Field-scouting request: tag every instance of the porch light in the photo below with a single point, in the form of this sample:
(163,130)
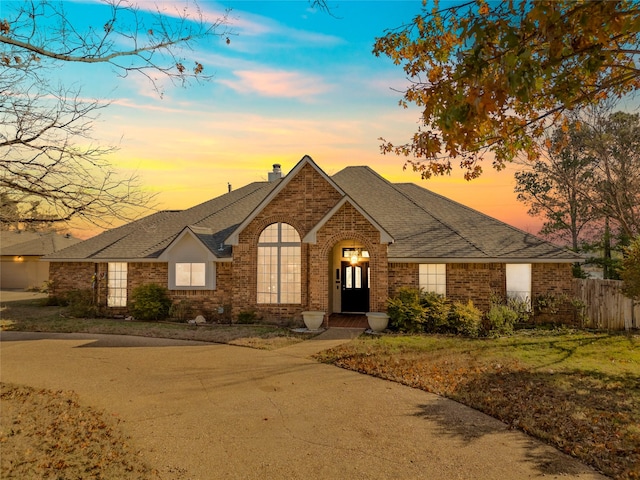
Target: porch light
(354,258)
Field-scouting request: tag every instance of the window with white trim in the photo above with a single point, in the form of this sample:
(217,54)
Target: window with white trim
(432,277)
(191,275)
(279,265)
(519,282)
(117,284)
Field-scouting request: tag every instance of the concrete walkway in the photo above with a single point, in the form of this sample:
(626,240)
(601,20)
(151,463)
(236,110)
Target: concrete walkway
(205,411)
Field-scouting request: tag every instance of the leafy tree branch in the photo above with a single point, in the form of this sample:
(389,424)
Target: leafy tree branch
(491,78)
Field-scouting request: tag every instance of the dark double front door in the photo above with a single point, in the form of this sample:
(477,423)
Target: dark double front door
(355,287)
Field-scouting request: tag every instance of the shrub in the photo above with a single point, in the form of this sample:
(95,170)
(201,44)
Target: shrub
(248,316)
(501,319)
(406,312)
(181,310)
(80,304)
(150,302)
(54,301)
(522,308)
(465,319)
(436,309)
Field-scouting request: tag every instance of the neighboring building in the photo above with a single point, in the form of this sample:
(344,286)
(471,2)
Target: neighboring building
(20,254)
(309,241)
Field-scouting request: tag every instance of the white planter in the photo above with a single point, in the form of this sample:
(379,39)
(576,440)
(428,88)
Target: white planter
(313,319)
(378,321)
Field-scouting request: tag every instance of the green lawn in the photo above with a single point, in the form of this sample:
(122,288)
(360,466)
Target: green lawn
(578,391)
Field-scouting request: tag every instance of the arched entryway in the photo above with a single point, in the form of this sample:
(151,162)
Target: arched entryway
(351,277)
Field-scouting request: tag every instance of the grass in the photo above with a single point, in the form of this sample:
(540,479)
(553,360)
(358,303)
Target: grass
(576,390)
(32,316)
(50,434)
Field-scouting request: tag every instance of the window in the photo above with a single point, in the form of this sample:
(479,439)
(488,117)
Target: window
(432,277)
(191,275)
(279,265)
(117,284)
(519,282)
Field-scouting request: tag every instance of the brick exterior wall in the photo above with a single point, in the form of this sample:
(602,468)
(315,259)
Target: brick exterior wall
(465,281)
(403,275)
(555,280)
(67,276)
(476,282)
(479,281)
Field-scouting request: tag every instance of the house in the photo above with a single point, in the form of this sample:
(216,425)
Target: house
(20,254)
(310,241)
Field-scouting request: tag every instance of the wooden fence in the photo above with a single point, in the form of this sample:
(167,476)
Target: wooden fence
(605,306)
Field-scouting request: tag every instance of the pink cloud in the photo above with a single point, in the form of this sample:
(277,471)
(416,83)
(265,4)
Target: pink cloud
(276,83)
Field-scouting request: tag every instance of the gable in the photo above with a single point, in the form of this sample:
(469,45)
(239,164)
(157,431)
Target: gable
(311,236)
(302,198)
(187,247)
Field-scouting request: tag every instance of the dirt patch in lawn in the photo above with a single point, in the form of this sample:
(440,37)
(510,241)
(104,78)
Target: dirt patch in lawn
(50,435)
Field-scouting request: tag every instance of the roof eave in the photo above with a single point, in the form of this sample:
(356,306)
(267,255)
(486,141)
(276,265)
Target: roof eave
(482,260)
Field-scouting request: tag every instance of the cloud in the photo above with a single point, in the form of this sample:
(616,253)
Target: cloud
(276,83)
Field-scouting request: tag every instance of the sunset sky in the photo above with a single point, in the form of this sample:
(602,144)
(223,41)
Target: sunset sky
(293,81)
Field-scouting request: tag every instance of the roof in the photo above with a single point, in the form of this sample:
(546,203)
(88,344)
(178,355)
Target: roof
(147,238)
(429,227)
(419,225)
(33,243)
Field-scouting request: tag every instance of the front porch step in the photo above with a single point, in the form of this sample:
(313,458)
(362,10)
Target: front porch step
(348,320)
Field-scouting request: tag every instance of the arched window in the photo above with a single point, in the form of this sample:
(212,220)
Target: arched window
(279,266)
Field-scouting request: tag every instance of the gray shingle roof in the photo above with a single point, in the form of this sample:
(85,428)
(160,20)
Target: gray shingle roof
(424,225)
(146,239)
(33,243)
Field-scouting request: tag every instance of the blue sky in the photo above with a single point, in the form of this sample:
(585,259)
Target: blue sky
(293,81)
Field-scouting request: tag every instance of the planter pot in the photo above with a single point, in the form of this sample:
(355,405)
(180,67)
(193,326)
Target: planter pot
(313,319)
(378,321)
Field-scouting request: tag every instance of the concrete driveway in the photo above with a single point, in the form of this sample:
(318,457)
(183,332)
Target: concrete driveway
(205,411)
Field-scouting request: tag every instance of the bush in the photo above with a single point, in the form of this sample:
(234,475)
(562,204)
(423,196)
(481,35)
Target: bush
(436,309)
(406,312)
(501,319)
(181,310)
(55,301)
(465,319)
(247,317)
(150,302)
(522,308)
(80,304)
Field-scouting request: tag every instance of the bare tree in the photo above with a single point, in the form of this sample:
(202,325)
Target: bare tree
(51,170)
(555,187)
(614,139)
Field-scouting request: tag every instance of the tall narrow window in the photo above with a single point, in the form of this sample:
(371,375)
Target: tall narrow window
(433,277)
(519,282)
(279,265)
(117,284)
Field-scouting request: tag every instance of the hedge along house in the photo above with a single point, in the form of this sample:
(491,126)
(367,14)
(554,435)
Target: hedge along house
(308,241)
